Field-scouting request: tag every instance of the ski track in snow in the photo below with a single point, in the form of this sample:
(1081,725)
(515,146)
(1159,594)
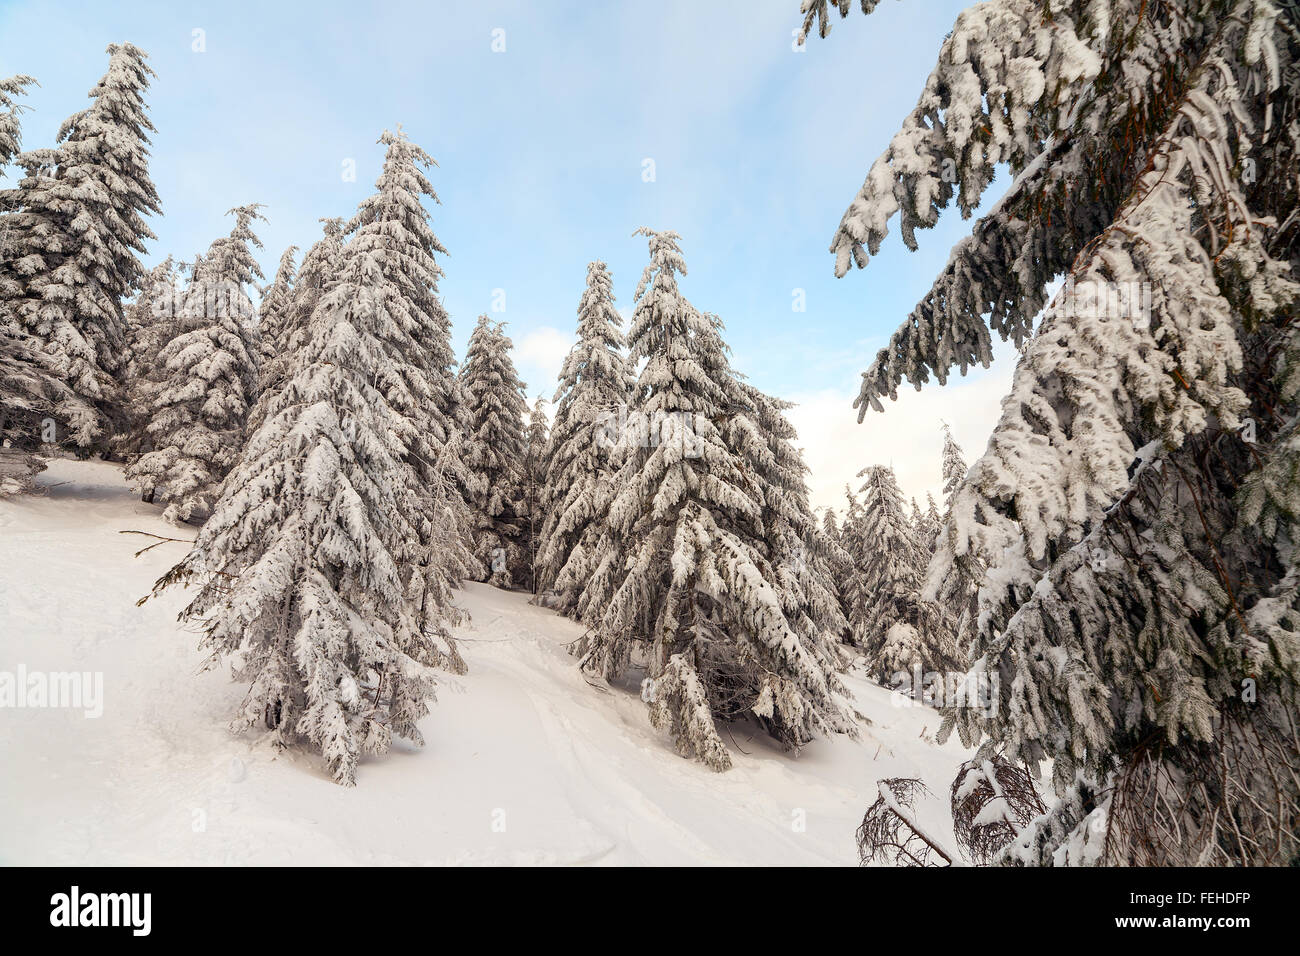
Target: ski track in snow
(525,762)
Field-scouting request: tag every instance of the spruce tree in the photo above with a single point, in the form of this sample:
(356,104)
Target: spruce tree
(74,229)
(595,388)
(10,110)
(830,527)
(392,224)
(208,381)
(895,627)
(494,455)
(687,584)
(287,320)
(804,563)
(151,322)
(838,564)
(277,298)
(853,541)
(537,448)
(1140,599)
(30,386)
(931,522)
(954,577)
(303,565)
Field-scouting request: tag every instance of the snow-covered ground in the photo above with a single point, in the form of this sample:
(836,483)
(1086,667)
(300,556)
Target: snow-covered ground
(526,762)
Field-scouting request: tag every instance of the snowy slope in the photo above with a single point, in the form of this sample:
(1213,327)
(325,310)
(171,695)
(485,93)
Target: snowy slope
(525,762)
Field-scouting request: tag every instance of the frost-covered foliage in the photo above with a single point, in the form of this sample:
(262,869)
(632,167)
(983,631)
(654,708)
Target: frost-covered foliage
(804,561)
(73,227)
(838,563)
(954,576)
(494,454)
(595,389)
(310,564)
(1135,507)
(537,453)
(392,226)
(273,310)
(10,131)
(208,380)
(895,627)
(30,389)
(931,522)
(283,322)
(30,386)
(688,584)
(151,322)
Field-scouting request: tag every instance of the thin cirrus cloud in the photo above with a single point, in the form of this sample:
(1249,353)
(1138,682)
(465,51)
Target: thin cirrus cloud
(539,356)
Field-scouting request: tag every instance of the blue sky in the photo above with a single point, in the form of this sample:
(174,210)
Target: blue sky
(542,149)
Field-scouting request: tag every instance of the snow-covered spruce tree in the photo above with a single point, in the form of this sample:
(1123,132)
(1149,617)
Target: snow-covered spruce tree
(686,584)
(10,141)
(838,565)
(830,525)
(302,564)
(595,388)
(494,454)
(537,452)
(393,225)
(30,391)
(73,231)
(273,309)
(1135,506)
(933,522)
(896,628)
(953,579)
(30,386)
(10,138)
(208,380)
(151,322)
(924,522)
(953,469)
(319,271)
(803,561)
(228,269)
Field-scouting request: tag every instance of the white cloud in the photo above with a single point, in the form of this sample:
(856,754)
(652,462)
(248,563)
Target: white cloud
(908,435)
(539,356)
